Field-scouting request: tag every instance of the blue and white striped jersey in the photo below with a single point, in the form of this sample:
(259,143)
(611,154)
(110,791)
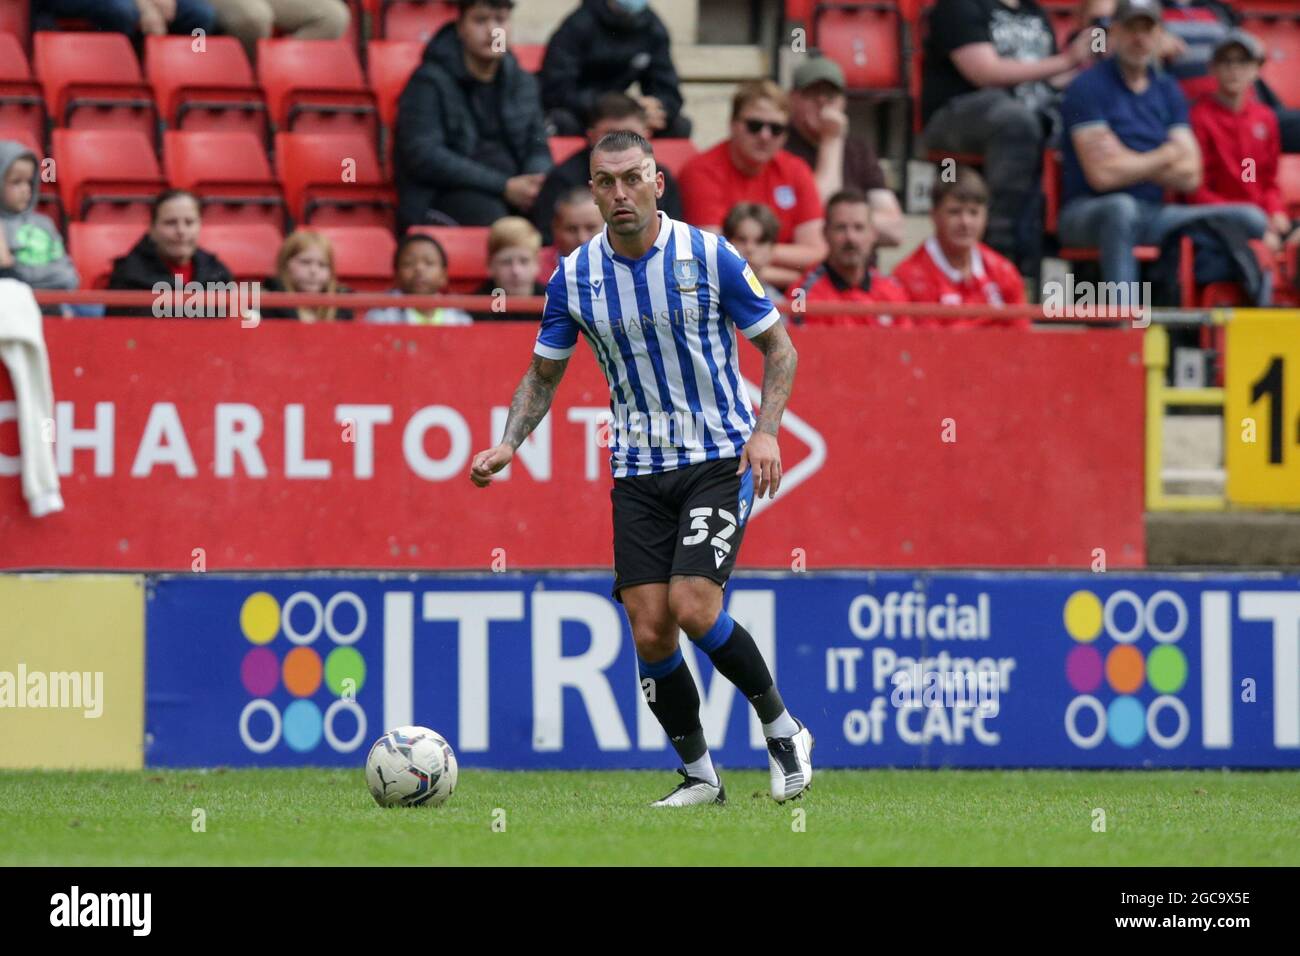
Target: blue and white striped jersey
(662,330)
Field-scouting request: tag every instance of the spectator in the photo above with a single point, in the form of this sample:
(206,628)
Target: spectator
(1127,141)
(819,135)
(612,112)
(576,220)
(135,18)
(751,166)
(846,276)
(305,263)
(990,84)
(953,267)
(1193,28)
(470,141)
(421,267)
(253,20)
(513,245)
(751,227)
(1236,132)
(31,249)
(169,252)
(604,47)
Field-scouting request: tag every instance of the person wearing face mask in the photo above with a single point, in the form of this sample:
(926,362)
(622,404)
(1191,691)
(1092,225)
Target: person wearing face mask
(168,251)
(605,46)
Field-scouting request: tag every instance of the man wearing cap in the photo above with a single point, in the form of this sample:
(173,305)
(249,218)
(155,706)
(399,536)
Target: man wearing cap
(1127,142)
(1237,134)
(819,135)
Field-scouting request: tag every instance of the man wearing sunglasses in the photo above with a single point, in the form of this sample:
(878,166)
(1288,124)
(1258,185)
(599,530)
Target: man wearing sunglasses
(753,166)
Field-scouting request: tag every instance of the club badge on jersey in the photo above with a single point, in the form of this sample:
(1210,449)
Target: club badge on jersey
(687,273)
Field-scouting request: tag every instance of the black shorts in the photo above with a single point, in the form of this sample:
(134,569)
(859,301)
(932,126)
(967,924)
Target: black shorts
(687,521)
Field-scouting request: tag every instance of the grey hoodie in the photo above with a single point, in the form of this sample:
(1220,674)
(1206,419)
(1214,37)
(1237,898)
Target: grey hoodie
(40,259)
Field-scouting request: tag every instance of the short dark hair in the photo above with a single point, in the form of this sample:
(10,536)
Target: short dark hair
(744,211)
(574,196)
(615,106)
(167,195)
(844,197)
(966,186)
(410,239)
(463,6)
(622,139)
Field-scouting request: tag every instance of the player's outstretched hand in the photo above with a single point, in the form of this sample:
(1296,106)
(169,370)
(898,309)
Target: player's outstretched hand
(762,454)
(488,463)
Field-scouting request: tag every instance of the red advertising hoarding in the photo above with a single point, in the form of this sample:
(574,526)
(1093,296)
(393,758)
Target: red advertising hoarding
(348,446)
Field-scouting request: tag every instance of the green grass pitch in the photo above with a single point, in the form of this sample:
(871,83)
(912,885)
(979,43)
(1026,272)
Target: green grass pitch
(875,817)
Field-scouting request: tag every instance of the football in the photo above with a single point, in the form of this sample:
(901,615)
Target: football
(411,767)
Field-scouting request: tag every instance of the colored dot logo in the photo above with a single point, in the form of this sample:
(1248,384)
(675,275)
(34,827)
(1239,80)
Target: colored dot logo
(302,673)
(1107,659)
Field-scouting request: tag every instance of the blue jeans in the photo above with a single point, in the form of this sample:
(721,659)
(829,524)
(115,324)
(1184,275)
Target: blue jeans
(121,16)
(1116,222)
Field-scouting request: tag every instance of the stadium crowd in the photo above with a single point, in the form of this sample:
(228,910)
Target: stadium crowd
(1164,131)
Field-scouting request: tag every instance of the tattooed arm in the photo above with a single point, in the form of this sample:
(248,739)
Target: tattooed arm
(761,451)
(531,403)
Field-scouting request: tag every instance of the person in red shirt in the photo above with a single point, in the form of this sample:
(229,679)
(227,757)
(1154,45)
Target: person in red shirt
(954,267)
(752,166)
(845,276)
(1239,135)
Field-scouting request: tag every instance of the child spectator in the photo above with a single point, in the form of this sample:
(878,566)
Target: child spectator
(421,267)
(1237,134)
(513,245)
(751,227)
(305,263)
(953,267)
(30,247)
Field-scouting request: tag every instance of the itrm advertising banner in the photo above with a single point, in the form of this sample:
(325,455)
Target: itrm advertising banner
(894,669)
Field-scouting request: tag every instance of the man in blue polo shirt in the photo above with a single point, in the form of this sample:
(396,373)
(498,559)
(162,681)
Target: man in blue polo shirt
(1127,143)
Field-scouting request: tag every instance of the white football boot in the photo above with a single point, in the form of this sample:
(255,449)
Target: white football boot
(693,790)
(790,761)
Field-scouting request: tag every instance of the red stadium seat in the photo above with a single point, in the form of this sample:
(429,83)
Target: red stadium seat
(106,175)
(333,179)
(363,256)
(210,90)
(229,173)
(562,147)
(673,154)
(415,20)
(315,86)
(391,63)
(530,56)
(248,251)
(15,20)
(467,258)
(94,245)
(1281,39)
(1288,176)
(92,81)
(865,41)
(21,103)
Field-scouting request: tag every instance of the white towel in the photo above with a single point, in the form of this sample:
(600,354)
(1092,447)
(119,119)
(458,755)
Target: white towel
(22,349)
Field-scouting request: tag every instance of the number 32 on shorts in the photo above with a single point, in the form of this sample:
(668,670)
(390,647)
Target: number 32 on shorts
(700,525)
